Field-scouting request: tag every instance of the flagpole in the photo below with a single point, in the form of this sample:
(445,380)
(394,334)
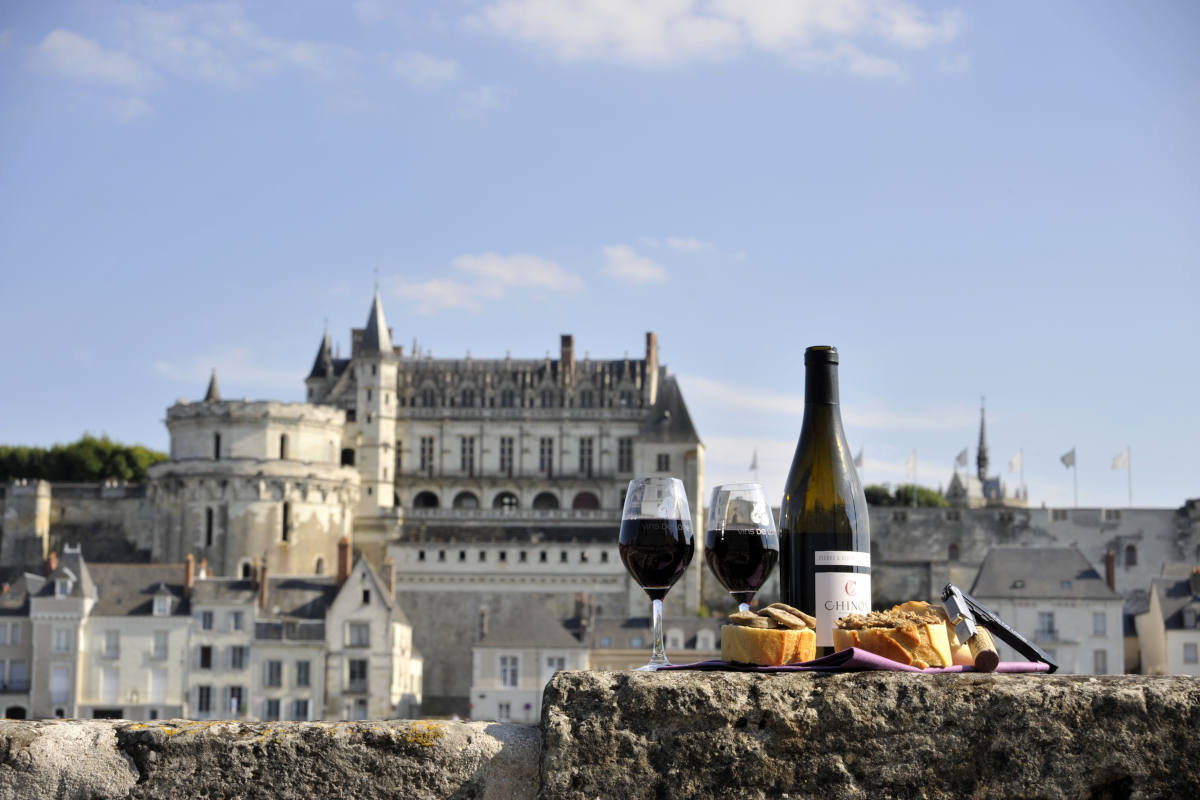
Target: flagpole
(914,486)
(1075,474)
(1129,457)
(1021,455)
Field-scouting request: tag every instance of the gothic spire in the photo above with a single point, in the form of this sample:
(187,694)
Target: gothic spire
(323,364)
(377,338)
(213,395)
(981,460)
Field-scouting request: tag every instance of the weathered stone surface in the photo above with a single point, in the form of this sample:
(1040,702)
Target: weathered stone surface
(869,735)
(65,759)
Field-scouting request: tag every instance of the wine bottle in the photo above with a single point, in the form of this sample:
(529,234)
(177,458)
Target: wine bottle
(824,534)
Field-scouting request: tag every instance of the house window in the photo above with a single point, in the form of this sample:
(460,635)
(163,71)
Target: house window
(1189,652)
(237,700)
(357,675)
(300,709)
(1130,556)
(160,645)
(1112,514)
(206,656)
(603,556)
(604,641)
(112,644)
(546,455)
(509,671)
(1099,662)
(358,634)
(503,711)
(208,527)
(303,674)
(366,595)
(237,657)
(216,447)
(625,399)
(506,454)
(482,555)
(586,446)
(62,587)
(507,398)
(283,446)
(664,462)
(1058,514)
(554,664)
(547,398)
(467,451)
(543,557)
(62,640)
(206,619)
(427,455)
(235,620)
(587,399)
(521,556)
(348,457)
(271,709)
(204,699)
(1099,623)
(441,555)
(953,554)
(15,638)
(636,642)
(287,513)
(162,606)
(274,673)
(428,398)
(468,398)
(1045,627)
(625,454)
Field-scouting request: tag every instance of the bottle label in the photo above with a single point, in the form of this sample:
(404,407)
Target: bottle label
(841,558)
(838,594)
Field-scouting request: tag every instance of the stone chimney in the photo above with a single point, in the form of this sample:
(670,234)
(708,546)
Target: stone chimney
(51,562)
(254,569)
(651,384)
(203,573)
(1110,569)
(189,574)
(343,567)
(482,621)
(262,587)
(388,575)
(567,362)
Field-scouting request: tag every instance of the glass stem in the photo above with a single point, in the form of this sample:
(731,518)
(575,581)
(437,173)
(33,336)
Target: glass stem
(743,606)
(658,656)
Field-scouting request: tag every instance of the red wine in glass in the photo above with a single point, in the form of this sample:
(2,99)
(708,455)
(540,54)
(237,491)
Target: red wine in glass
(742,559)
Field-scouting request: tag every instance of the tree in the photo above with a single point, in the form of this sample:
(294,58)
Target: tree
(89,459)
(878,495)
(926,498)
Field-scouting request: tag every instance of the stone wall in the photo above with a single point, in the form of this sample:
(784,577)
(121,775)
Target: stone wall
(678,735)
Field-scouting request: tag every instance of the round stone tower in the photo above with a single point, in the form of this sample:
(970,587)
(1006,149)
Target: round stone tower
(253,480)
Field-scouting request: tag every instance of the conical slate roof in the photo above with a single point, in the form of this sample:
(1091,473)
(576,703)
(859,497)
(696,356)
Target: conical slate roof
(323,364)
(376,337)
(213,395)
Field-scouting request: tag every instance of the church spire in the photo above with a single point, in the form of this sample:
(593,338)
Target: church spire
(377,338)
(981,460)
(213,395)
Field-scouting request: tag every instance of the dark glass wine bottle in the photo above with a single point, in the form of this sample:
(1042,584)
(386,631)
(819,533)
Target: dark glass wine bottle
(824,534)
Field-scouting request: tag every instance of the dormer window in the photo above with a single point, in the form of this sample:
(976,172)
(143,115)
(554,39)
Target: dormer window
(62,587)
(162,606)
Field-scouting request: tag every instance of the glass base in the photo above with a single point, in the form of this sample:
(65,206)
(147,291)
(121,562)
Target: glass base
(653,666)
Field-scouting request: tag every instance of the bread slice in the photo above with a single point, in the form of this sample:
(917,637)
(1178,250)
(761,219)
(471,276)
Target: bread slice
(960,654)
(918,639)
(767,647)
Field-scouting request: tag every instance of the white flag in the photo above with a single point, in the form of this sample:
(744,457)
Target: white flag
(961,460)
(1016,462)
(754,459)
(858,459)
(1121,461)
(1068,458)
(911,464)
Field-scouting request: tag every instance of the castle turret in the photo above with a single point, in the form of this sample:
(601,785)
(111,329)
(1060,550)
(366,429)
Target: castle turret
(322,372)
(213,395)
(375,365)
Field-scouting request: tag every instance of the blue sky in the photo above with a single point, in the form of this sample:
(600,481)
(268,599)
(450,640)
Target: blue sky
(973,199)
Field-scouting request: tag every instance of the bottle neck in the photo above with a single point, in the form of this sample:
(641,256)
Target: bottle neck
(821,384)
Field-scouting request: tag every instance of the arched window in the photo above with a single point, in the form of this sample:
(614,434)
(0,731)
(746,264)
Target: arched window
(216,447)
(545,502)
(286,522)
(953,552)
(466,500)
(506,501)
(319,566)
(245,569)
(1130,556)
(208,527)
(14,712)
(426,500)
(585,501)
(348,457)
(705,640)
(283,445)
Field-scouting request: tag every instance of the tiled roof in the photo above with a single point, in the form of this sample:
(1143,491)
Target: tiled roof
(1041,572)
(129,589)
(668,419)
(532,626)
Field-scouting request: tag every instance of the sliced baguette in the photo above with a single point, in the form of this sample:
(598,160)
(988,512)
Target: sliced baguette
(904,637)
(767,647)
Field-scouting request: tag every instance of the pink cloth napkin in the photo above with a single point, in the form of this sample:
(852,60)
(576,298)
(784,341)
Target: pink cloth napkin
(856,660)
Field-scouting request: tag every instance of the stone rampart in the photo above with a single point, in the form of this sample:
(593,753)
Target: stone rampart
(678,735)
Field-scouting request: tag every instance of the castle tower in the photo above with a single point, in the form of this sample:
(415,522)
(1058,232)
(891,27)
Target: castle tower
(322,370)
(981,460)
(375,369)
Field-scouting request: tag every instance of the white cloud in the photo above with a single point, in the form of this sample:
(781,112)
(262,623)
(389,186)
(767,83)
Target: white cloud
(490,277)
(480,100)
(236,369)
(77,58)
(653,32)
(423,70)
(624,264)
(682,243)
(372,11)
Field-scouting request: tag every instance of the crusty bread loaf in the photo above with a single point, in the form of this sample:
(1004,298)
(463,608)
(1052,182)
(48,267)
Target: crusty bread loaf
(913,637)
(767,647)
(959,652)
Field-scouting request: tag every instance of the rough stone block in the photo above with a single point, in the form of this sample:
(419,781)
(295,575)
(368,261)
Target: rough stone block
(869,735)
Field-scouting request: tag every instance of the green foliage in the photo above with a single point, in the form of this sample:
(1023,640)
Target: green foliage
(87,460)
(903,496)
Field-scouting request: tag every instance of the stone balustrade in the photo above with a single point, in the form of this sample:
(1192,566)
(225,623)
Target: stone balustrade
(677,735)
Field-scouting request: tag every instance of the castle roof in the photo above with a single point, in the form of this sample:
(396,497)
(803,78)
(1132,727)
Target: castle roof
(668,419)
(376,337)
(129,589)
(323,364)
(1040,572)
(213,395)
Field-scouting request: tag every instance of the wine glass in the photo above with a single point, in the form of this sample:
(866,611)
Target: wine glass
(656,546)
(741,543)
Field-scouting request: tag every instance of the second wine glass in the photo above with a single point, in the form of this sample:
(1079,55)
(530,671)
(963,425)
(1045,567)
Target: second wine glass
(741,543)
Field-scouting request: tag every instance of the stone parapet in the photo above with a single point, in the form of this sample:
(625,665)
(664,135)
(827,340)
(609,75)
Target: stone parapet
(678,735)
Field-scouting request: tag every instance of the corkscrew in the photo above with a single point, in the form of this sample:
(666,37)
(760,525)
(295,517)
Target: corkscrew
(972,622)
